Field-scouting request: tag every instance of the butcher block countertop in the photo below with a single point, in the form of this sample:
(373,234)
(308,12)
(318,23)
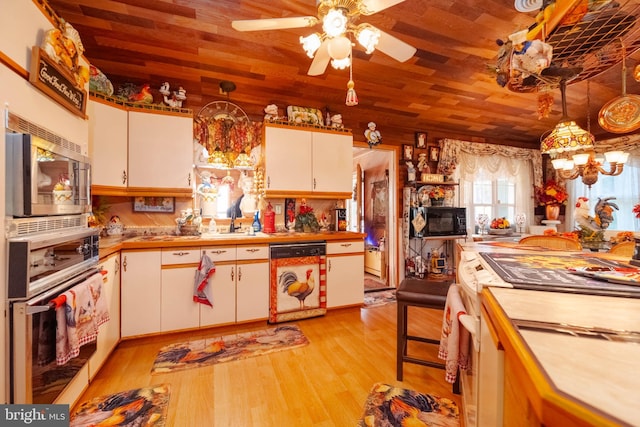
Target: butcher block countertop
(580,379)
(112,244)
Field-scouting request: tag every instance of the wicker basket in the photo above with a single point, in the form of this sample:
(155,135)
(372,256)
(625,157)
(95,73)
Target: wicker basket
(189,230)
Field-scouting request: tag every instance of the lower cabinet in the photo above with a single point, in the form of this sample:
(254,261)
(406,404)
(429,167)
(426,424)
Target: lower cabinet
(345,273)
(221,287)
(252,286)
(177,308)
(109,332)
(141,280)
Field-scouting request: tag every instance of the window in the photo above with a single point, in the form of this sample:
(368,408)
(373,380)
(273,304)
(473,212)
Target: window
(496,198)
(624,187)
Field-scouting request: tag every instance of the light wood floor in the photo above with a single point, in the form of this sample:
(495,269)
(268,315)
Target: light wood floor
(322,384)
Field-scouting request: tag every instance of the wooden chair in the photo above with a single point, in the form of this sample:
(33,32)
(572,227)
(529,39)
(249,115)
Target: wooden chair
(552,242)
(624,249)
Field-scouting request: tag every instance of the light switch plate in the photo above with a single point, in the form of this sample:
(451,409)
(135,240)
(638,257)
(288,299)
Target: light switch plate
(278,209)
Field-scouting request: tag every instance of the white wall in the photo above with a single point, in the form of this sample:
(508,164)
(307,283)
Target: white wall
(22,26)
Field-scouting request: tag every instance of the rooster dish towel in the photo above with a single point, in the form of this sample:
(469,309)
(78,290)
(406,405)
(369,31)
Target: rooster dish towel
(202,293)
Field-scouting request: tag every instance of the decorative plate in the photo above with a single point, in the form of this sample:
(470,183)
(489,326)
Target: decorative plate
(621,114)
(304,115)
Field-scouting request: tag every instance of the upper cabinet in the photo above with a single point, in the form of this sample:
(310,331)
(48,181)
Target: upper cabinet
(139,152)
(305,162)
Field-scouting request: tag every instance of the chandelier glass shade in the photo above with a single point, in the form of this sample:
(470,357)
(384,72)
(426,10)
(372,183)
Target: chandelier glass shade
(336,26)
(567,136)
(588,166)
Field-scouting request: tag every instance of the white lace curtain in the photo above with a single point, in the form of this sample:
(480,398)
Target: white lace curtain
(467,161)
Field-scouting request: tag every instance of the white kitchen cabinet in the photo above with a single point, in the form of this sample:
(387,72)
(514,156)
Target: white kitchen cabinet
(345,273)
(305,161)
(252,286)
(107,144)
(177,308)
(109,332)
(221,287)
(160,150)
(140,292)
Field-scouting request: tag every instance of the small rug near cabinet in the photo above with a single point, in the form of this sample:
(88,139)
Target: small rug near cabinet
(377,299)
(388,406)
(140,407)
(208,351)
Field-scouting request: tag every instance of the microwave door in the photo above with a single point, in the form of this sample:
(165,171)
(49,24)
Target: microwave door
(18,200)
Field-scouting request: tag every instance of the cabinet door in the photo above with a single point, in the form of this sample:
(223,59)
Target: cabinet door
(345,280)
(252,291)
(109,332)
(140,293)
(160,150)
(332,162)
(107,144)
(288,159)
(222,288)
(178,309)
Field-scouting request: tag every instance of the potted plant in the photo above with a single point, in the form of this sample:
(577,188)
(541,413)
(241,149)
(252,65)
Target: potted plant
(305,219)
(436,195)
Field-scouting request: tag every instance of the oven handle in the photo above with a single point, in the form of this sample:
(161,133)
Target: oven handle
(32,308)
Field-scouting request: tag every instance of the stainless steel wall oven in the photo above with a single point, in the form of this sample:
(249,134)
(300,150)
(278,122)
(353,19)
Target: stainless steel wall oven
(41,268)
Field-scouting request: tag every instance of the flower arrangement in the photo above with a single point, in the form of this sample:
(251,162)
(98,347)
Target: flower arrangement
(636,210)
(305,219)
(622,236)
(551,194)
(574,235)
(436,193)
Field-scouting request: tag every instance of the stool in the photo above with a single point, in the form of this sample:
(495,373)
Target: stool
(417,293)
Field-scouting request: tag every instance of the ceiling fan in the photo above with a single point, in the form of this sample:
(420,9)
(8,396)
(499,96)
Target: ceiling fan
(339,22)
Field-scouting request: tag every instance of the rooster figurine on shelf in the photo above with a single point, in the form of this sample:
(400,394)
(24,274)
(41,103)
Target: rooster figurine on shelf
(175,98)
(144,96)
(295,288)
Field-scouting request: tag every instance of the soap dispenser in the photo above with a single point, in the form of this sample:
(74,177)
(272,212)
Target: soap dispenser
(256,222)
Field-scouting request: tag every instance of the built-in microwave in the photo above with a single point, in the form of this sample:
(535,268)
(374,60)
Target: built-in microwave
(433,221)
(45,173)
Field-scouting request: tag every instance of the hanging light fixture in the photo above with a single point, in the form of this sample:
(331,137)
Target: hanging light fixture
(218,159)
(337,24)
(568,138)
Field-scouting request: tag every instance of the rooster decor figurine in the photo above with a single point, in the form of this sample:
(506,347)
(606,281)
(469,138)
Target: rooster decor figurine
(143,96)
(174,99)
(592,227)
(295,288)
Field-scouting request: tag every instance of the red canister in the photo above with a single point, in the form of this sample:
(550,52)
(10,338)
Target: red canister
(269,220)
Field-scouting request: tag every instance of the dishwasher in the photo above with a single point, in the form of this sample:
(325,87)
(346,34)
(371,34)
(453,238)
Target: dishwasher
(297,281)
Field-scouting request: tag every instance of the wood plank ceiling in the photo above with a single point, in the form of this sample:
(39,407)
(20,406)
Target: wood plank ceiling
(447,89)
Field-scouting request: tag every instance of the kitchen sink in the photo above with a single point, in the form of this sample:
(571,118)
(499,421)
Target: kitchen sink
(232,235)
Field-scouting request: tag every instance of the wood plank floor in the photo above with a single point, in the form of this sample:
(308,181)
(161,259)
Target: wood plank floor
(322,384)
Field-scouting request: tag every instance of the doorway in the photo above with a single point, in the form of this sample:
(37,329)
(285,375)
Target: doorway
(373,211)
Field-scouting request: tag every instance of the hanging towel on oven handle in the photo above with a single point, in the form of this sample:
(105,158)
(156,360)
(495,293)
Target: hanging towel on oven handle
(202,293)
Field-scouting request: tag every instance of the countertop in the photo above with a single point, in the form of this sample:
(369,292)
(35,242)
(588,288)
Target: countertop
(112,244)
(599,374)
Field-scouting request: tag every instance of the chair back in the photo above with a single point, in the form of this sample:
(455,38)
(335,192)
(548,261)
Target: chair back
(624,249)
(552,242)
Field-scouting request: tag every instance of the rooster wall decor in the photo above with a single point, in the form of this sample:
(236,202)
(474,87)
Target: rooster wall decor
(293,287)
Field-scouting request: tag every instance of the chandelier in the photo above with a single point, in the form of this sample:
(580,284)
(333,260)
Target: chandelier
(337,25)
(571,149)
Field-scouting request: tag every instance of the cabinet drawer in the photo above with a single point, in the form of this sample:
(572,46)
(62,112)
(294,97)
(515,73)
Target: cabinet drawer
(180,256)
(221,253)
(354,246)
(253,252)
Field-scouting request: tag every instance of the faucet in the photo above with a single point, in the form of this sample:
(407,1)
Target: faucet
(232,225)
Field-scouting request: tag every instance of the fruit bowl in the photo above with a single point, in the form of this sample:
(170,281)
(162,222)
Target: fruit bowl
(500,231)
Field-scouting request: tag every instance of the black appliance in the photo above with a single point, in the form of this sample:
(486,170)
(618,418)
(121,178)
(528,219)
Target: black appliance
(434,221)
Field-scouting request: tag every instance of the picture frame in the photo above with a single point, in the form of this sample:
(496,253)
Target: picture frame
(407,152)
(154,204)
(421,140)
(434,154)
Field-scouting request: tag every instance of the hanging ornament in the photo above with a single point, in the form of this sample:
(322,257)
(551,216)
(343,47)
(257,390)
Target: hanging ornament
(352,98)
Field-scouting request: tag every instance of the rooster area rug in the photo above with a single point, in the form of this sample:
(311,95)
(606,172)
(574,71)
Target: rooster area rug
(388,406)
(140,407)
(208,351)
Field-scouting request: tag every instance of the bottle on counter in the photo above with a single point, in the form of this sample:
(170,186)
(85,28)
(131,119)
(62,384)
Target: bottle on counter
(256,222)
(269,219)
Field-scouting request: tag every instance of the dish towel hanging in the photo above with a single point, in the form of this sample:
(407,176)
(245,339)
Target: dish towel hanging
(78,316)
(202,293)
(454,342)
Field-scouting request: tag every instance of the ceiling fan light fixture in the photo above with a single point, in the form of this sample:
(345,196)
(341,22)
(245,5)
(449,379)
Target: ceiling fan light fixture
(341,64)
(335,23)
(339,47)
(368,37)
(311,43)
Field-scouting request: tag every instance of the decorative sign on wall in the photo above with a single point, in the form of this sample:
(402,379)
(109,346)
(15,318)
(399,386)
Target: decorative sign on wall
(51,79)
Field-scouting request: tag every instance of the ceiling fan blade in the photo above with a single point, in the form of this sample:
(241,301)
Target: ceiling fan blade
(369,7)
(394,47)
(320,60)
(274,23)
